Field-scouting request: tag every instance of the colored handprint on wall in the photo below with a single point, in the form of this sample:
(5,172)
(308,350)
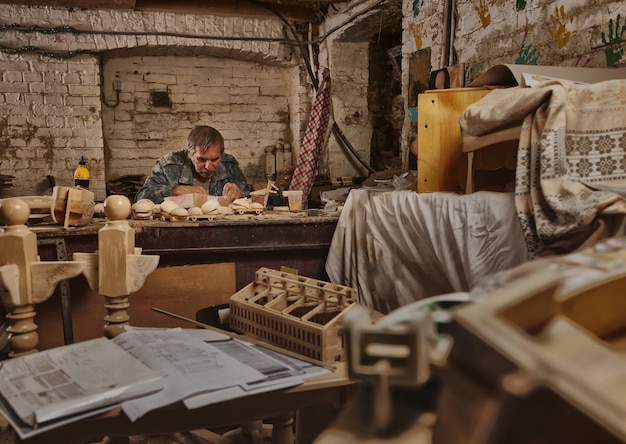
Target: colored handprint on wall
(435,31)
(582,64)
(558,26)
(417,4)
(614,55)
(483,12)
(527,55)
(417,35)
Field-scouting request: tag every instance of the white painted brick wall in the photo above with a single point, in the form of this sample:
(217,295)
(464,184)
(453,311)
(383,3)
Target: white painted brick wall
(44,131)
(51,111)
(571,36)
(242,100)
(349,68)
(522,31)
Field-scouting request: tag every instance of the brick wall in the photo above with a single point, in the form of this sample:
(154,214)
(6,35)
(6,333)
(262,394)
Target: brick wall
(350,68)
(51,111)
(246,101)
(484,33)
(545,32)
(49,116)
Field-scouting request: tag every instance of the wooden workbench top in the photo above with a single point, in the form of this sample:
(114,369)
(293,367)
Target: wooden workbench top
(269,218)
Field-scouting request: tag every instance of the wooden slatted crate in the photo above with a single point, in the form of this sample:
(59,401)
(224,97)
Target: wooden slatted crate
(300,314)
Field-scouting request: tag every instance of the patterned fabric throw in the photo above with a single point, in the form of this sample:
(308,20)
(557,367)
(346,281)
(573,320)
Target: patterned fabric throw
(573,140)
(312,146)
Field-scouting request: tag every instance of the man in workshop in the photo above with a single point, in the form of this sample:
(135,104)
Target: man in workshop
(202,168)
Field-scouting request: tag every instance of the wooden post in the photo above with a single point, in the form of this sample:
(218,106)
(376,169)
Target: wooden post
(118,268)
(24,281)
(23,336)
(116,242)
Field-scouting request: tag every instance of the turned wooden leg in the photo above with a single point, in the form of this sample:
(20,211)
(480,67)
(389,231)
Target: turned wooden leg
(116,440)
(282,429)
(117,315)
(253,432)
(249,432)
(22,329)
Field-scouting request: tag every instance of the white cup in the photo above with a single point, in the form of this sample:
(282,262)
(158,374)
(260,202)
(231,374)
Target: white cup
(294,198)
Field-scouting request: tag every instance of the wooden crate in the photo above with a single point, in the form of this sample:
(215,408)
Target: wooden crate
(300,314)
(441,163)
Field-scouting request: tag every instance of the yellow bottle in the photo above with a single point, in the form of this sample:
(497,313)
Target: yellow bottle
(81,175)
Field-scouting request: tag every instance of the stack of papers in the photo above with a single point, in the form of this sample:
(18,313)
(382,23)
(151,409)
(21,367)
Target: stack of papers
(45,386)
(139,370)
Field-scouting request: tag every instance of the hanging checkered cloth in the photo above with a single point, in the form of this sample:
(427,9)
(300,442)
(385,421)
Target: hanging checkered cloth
(312,146)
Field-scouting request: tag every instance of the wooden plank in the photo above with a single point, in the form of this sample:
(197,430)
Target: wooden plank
(419,73)
(441,163)
(183,289)
(473,143)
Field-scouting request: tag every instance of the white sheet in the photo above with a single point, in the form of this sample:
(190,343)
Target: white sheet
(401,246)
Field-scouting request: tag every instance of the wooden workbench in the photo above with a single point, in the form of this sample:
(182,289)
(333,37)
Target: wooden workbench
(298,241)
(252,242)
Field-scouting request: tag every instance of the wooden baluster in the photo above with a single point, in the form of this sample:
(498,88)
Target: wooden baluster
(18,246)
(118,268)
(117,315)
(282,429)
(23,336)
(116,242)
(24,281)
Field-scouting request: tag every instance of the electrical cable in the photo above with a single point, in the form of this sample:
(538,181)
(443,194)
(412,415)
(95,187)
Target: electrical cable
(323,37)
(47,52)
(336,130)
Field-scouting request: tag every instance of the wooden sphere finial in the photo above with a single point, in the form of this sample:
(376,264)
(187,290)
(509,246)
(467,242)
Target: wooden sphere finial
(14,211)
(117,207)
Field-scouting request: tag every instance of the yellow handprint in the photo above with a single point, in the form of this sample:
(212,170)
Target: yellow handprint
(417,35)
(483,12)
(557,28)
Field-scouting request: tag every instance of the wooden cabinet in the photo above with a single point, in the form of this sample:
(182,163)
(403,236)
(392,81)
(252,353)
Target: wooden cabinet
(441,163)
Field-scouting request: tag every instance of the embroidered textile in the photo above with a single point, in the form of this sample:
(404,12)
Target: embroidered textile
(573,136)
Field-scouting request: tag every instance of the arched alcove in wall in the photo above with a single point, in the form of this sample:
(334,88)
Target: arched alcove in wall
(365,59)
(153,96)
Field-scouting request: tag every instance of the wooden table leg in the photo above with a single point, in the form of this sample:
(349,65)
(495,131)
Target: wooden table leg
(116,440)
(282,429)
(249,432)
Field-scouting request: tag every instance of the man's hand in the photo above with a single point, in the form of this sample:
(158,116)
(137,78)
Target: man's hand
(231,192)
(187,189)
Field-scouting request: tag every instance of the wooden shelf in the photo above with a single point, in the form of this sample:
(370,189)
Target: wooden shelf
(473,143)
